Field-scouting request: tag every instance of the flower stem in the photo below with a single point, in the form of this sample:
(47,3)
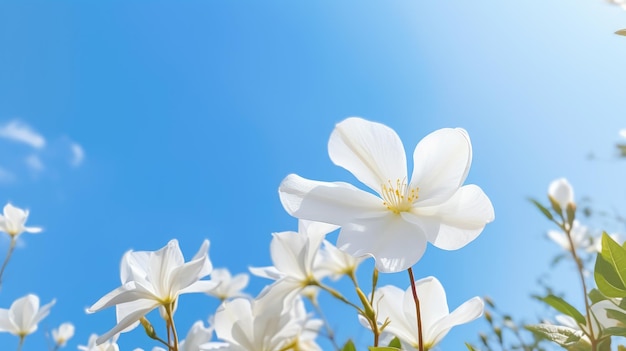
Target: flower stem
(19,346)
(568,230)
(169,309)
(417,309)
(6,260)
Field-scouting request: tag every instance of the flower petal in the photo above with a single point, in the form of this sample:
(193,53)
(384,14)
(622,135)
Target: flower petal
(441,162)
(433,303)
(456,222)
(371,151)
(126,322)
(334,203)
(395,243)
(467,312)
(390,306)
(126,293)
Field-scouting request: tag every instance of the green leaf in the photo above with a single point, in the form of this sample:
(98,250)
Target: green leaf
(596,296)
(470,347)
(349,346)
(615,331)
(564,307)
(610,268)
(541,208)
(607,280)
(617,315)
(383,348)
(563,336)
(395,342)
(615,254)
(621,32)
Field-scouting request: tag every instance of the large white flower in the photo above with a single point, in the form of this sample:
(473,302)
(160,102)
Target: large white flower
(394,226)
(398,307)
(22,317)
(152,279)
(13,221)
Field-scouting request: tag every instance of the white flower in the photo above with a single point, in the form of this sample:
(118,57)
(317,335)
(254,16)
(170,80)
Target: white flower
(64,333)
(399,308)
(152,279)
(296,261)
(228,286)
(562,192)
(247,325)
(580,237)
(93,345)
(197,335)
(13,220)
(337,262)
(394,226)
(22,317)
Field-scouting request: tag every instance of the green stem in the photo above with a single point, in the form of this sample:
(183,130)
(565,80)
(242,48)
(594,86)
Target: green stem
(19,346)
(338,296)
(417,310)
(579,265)
(6,260)
(169,309)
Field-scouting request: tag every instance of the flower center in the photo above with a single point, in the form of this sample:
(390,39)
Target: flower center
(398,197)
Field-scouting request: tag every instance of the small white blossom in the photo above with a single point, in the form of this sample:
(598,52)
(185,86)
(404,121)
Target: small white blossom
(62,334)
(13,221)
(22,317)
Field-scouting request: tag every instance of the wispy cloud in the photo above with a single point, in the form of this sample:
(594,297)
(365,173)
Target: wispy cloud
(21,132)
(34,162)
(78,154)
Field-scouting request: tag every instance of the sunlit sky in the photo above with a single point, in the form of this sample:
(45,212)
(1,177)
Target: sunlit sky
(164,119)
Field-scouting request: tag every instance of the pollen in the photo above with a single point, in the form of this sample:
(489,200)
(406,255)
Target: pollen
(398,197)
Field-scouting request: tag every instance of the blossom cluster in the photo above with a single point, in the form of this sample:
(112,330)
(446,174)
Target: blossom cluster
(392,222)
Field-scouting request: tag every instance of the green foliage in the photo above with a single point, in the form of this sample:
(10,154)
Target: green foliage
(543,209)
(395,342)
(383,348)
(563,336)
(349,346)
(610,268)
(470,347)
(564,307)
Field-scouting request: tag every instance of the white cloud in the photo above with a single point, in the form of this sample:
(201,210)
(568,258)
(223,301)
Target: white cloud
(78,154)
(34,162)
(20,132)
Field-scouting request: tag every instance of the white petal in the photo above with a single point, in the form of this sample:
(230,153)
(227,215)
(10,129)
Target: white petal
(267,272)
(334,203)
(237,311)
(312,227)
(125,323)
(390,305)
(395,243)
(460,219)
(123,310)
(288,250)
(43,312)
(128,292)
(433,303)
(33,230)
(467,312)
(14,214)
(6,324)
(441,162)
(23,313)
(371,151)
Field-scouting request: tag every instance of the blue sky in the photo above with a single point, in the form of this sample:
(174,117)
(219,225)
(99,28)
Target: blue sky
(188,115)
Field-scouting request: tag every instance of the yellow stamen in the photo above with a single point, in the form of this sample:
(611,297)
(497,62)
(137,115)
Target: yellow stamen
(398,197)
